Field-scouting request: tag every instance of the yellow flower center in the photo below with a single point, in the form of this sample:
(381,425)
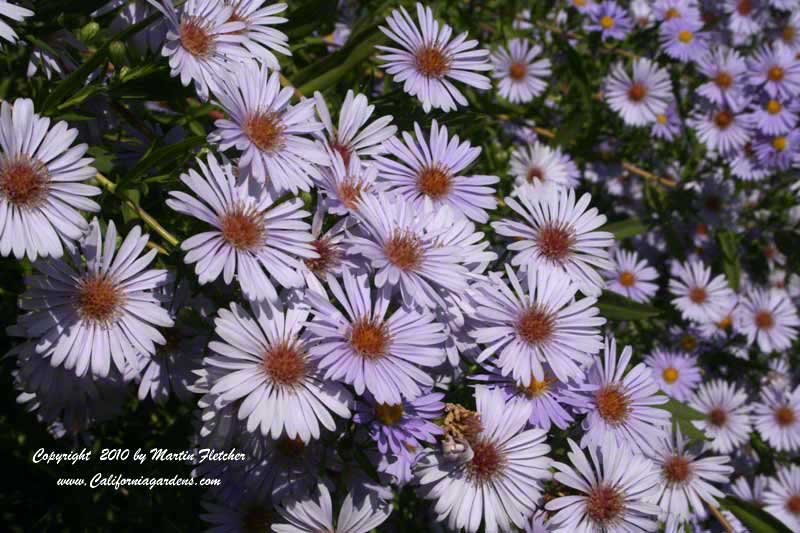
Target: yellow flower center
(774,107)
(661,119)
(607,22)
(685,36)
(670,375)
(779,143)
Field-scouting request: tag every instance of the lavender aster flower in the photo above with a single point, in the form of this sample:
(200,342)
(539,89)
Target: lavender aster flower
(726,70)
(727,414)
(668,124)
(88,314)
(619,404)
(41,185)
(682,39)
(676,373)
(697,295)
(540,324)
(721,129)
(611,20)
(429,57)
(429,173)
(773,117)
(522,76)
(615,488)
(632,277)
(537,164)
(768,318)
(779,151)
(364,347)
(782,498)
(271,134)
(777,418)
(253,239)
(14,12)
(776,68)
(264,362)
(261,39)
(556,232)
(638,99)
(496,480)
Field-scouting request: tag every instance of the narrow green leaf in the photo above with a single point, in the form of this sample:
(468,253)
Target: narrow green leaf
(623,229)
(753,517)
(729,244)
(683,415)
(614,306)
(158,158)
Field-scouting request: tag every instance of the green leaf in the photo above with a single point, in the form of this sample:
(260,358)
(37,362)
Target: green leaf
(80,96)
(614,306)
(625,228)
(729,244)
(683,415)
(753,517)
(158,158)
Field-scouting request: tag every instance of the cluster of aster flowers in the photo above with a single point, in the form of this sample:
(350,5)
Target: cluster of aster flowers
(374,314)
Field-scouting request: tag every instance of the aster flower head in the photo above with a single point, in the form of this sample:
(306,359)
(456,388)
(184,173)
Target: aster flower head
(676,373)
(778,152)
(423,253)
(777,417)
(767,317)
(272,135)
(261,39)
(539,325)
(620,404)
(15,13)
(666,10)
(721,129)
(370,348)
(615,489)
(262,360)
(521,76)
(776,69)
(610,19)
(495,477)
(428,59)
(640,98)
(668,125)
(41,189)
(556,232)
(686,479)
(352,137)
(744,18)
(88,314)
(697,295)
(537,164)
(430,173)
(312,514)
(632,277)
(725,68)
(773,116)
(343,184)
(253,239)
(682,39)
(727,414)
(782,498)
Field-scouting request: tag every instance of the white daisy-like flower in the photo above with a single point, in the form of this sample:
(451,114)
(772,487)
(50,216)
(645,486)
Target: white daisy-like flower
(429,173)
(521,75)
(537,164)
(14,12)
(343,184)
(631,277)
(615,489)
(41,187)
(263,361)
(727,414)
(777,418)
(782,498)
(697,295)
(676,373)
(686,479)
(559,233)
(273,136)
(86,314)
(540,324)
(494,477)
(253,238)
(768,318)
(352,138)
(261,39)
(641,98)
(429,59)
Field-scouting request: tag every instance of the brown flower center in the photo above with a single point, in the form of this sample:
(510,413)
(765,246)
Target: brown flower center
(555,242)
(537,388)
(329,256)
(604,504)
(612,404)
(671,13)
(718,417)
(775,73)
(789,33)
(688,343)
(677,469)
(793,504)
(404,250)
(369,338)
(535,173)
(265,130)
(285,363)
(461,423)
(723,119)
(627,279)
(431,62)
(242,228)
(637,92)
(723,80)
(698,295)
(349,192)
(195,37)
(98,298)
(764,319)
(774,107)
(344,151)
(486,463)
(744,7)
(784,416)
(535,325)
(434,182)
(389,414)
(23,183)
(517,71)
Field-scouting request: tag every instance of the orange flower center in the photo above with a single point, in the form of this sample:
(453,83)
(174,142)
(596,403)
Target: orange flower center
(242,228)
(431,62)
(535,325)
(329,256)
(23,183)
(637,92)
(670,374)
(369,338)
(537,388)
(98,298)
(604,504)
(661,119)
(434,182)
(285,363)
(723,119)
(793,504)
(612,404)
(698,295)
(775,73)
(265,130)
(195,37)
(677,469)
(404,250)
(785,416)
(389,414)
(779,143)
(607,22)
(744,7)
(723,80)
(764,319)
(685,36)
(627,279)
(517,71)
(774,107)
(350,191)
